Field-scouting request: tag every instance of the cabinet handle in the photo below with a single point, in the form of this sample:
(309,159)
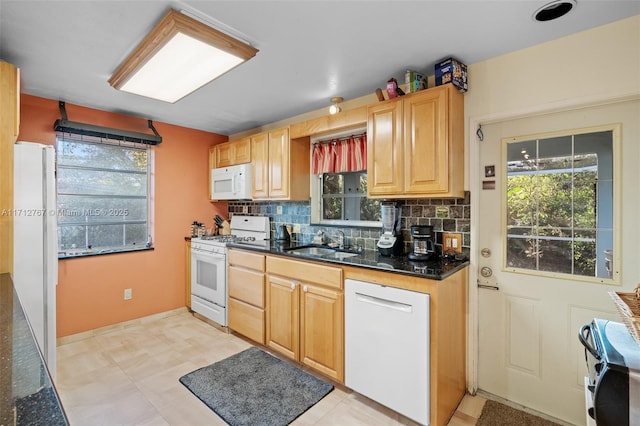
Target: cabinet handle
(293,286)
(304,288)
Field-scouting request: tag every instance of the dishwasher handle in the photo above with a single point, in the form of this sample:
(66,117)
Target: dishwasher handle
(385,303)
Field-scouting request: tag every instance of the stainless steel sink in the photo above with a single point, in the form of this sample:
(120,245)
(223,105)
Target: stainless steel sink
(313,251)
(342,255)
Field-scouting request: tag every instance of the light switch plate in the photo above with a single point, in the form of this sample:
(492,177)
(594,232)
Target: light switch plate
(451,241)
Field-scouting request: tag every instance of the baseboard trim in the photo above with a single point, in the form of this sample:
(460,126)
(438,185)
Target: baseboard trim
(119,326)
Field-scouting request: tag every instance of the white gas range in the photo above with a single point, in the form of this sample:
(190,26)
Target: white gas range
(209,265)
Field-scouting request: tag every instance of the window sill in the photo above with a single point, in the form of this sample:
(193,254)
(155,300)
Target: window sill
(72,254)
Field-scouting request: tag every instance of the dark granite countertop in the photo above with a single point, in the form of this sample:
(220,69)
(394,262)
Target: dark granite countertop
(27,395)
(436,269)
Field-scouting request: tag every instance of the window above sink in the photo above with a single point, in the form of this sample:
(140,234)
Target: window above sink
(339,196)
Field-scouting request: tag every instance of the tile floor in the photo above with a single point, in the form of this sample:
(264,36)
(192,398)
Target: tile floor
(128,375)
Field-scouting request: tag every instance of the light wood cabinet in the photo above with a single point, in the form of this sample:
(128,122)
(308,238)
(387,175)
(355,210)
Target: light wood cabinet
(212,165)
(280,166)
(283,318)
(247,301)
(9,129)
(232,153)
(329,123)
(305,319)
(187,275)
(385,160)
(260,165)
(416,145)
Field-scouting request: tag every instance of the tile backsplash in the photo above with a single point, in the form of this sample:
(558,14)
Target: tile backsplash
(448,215)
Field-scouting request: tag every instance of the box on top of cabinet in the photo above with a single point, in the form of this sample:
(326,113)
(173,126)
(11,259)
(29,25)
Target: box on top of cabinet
(451,70)
(414,80)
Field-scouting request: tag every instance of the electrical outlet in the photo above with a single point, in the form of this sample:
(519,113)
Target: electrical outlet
(296,228)
(278,209)
(128,294)
(244,209)
(452,242)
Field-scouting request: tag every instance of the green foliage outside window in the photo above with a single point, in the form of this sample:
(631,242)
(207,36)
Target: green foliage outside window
(559,201)
(344,197)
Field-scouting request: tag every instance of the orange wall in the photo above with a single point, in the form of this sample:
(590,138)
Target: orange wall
(90,289)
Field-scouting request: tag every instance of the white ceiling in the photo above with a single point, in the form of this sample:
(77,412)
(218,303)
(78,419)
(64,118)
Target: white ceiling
(309,51)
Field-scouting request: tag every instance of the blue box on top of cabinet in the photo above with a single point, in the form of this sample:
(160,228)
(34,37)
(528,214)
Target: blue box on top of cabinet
(451,70)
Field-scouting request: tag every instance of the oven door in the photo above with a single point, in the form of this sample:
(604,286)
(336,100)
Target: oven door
(209,276)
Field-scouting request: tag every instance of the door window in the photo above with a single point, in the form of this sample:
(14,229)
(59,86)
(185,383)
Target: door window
(560,203)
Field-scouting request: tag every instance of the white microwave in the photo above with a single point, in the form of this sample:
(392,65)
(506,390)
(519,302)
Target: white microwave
(231,183)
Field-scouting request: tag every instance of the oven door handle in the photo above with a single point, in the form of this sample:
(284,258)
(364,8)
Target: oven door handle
(583,339)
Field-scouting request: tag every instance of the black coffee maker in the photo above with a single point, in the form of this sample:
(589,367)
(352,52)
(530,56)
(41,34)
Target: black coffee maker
(423,248)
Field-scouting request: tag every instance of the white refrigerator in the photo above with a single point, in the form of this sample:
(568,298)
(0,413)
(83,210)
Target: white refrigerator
(35,268)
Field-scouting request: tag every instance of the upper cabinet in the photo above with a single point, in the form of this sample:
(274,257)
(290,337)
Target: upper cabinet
(280,166)
(416,145)
(329,123)
(9,129)
(232,153)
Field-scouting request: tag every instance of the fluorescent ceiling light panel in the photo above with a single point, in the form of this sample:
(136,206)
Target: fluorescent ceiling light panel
(179,56)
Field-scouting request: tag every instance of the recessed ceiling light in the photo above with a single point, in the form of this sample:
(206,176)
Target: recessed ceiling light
(553,10)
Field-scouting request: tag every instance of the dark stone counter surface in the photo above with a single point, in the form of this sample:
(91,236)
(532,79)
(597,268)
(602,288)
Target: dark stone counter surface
(435,269)
(27,395)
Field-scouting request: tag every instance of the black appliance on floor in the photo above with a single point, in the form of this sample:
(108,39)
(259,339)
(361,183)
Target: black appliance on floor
(613,363)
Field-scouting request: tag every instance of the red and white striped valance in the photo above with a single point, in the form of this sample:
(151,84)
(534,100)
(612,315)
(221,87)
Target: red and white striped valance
(340,155)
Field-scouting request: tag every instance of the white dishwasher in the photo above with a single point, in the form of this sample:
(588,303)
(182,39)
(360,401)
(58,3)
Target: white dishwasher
(387,347)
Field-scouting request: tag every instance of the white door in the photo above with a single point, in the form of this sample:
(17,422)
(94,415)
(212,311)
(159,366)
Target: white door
(528,351)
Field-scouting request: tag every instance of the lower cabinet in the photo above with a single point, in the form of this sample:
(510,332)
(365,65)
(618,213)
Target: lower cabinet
(305,314)
(187,274)
(246,307)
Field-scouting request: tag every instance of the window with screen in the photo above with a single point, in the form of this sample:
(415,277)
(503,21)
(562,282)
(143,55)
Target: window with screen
(103,195)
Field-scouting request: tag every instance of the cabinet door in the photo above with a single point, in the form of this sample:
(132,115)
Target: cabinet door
(246,320)
(279,151)
(321,330)
(260,163)
(246,285)
(225,154)
(384,152)
(9,128)
(242,150)
(283,298)
(212,165)
(426,146)
(187,274)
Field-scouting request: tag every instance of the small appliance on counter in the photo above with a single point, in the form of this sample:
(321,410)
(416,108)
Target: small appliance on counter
(390,242)
(423,248)
(283,234)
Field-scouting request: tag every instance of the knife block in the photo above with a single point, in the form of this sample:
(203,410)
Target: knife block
(226,228)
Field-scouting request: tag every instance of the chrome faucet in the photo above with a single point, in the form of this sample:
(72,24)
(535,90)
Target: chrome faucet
(341,240)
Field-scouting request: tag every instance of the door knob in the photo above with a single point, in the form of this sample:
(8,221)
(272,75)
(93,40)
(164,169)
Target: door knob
(486,272)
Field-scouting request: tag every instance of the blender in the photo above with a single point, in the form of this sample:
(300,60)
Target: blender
(390,242)
(423,248)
